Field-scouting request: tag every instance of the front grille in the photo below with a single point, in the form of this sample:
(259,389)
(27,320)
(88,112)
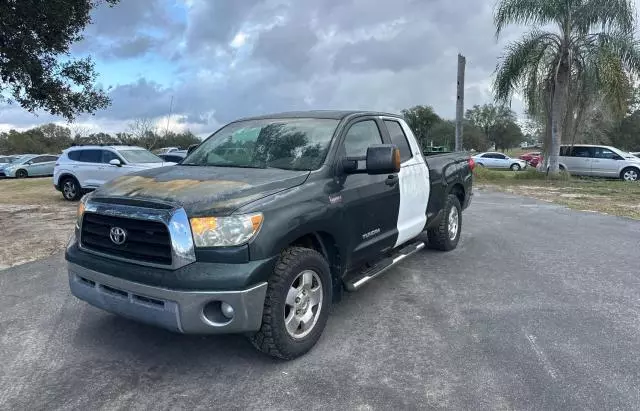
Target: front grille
(146,241)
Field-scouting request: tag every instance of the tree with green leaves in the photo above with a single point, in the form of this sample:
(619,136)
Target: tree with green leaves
(489,118)
(592,50)
(421,119)
(35,68)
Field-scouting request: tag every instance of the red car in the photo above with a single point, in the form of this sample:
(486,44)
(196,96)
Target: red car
(533,158)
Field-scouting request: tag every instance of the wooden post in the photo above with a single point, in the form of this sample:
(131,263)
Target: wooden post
(460,102)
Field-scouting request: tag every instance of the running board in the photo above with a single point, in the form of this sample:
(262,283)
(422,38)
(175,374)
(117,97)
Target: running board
(356,283)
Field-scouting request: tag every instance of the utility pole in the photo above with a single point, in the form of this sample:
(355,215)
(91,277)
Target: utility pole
(169,118)
(460,101)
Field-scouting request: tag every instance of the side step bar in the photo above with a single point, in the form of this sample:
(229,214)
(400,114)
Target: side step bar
(356,283)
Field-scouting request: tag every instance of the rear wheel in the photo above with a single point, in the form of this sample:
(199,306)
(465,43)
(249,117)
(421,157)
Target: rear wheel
(21,173)
(446,235)
(70,189)
(630,174)
(296,306)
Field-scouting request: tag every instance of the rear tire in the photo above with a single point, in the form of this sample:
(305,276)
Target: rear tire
(71,189)
(630,174)
(285,334)
(446,235)
(22,174)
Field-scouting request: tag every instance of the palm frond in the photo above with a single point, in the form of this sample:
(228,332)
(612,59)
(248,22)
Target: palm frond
(527,12)
(611,15)
(618,45)
(523,58)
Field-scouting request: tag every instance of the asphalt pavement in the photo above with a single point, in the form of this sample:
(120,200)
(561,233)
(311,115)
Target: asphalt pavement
(538,308)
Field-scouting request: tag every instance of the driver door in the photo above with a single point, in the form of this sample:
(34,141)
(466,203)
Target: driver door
(371,203)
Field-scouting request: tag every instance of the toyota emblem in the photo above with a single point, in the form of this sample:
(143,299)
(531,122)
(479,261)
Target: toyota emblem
(118,235)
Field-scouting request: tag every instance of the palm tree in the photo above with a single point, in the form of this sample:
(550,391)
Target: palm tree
(592,50)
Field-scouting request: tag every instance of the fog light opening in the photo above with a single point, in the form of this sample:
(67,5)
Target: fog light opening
(217,313)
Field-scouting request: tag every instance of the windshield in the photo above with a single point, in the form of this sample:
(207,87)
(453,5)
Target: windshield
(290,144)
(139,156)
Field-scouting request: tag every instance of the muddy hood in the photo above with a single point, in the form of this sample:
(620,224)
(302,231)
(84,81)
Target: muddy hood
(202,191)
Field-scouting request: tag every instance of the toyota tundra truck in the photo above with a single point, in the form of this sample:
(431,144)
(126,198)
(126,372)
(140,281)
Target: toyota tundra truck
(265,224)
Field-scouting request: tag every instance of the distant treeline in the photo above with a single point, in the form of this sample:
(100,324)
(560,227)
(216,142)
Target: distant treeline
(52,139)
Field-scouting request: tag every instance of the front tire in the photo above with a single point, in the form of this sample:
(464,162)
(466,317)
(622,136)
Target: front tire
(446,235)
(71,189)
(630,174)
(515,167)
(22,174)
(296,307)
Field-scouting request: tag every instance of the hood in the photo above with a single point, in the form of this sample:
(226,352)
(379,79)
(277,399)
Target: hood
(202,191)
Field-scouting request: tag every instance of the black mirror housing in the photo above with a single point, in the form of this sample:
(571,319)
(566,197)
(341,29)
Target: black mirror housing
(380,159)
(383,159)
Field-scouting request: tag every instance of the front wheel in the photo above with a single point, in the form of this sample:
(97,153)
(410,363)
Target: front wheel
(446,235)
(630,174)
(296,307)
(70,189)
(21,173)
(515,167)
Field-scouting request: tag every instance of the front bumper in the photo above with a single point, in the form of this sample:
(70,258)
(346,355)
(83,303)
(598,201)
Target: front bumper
(189,312)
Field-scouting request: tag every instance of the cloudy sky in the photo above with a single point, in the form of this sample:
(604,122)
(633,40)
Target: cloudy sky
(222,59)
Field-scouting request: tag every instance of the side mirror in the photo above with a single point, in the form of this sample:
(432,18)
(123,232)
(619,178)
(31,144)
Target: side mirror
(115,162)
(191,148)
(380,159)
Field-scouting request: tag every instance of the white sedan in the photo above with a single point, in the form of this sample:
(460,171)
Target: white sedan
(499,160)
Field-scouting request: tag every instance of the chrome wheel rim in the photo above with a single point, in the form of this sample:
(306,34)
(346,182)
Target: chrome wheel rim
(515,167)
(630,175)
(453,223)
(69,189)
(303,304)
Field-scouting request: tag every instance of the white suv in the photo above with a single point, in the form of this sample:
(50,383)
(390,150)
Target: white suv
(85,168)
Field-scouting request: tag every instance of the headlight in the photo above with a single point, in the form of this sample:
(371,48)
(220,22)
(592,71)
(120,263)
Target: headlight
(225,231)
(80,212)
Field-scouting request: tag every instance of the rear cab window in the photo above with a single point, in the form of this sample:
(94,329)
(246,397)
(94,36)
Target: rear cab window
(399,139)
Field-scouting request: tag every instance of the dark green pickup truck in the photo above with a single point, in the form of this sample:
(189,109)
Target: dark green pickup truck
(261,227)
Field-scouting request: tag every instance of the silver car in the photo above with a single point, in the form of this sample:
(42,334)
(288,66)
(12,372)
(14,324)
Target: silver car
(499,160)
(599,161)
(31,165)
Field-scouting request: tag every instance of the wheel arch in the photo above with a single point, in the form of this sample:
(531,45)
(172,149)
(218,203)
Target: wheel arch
(324,243)
(66,175)
(458,190)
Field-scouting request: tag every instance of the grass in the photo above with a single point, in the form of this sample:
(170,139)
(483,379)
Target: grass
(34,191)
(606,196)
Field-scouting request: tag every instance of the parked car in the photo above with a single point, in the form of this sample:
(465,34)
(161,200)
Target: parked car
(34,165)
(532,158)
(174,156)
(7,159)
(165,150)
(599,161)
(499,160)
(262,245)
(84,168)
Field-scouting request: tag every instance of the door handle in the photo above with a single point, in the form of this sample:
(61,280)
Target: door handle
(392,180)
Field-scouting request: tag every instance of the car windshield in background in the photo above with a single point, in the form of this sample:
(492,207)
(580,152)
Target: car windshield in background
(139,156)
(290,144)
